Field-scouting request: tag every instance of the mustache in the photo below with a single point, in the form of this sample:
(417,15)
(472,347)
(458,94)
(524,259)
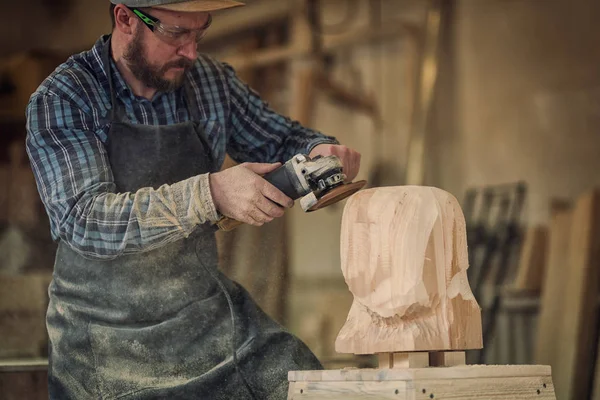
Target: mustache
(181,63)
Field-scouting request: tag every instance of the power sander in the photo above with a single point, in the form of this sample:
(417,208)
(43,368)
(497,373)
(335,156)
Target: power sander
(318,182)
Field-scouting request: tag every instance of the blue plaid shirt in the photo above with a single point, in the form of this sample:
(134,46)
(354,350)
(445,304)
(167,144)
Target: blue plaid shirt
(68,119)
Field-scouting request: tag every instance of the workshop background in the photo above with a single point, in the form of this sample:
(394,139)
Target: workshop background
(495,101)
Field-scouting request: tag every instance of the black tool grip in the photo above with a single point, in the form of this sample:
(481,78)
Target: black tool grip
(284,178)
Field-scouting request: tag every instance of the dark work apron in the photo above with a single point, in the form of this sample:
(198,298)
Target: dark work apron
(157,325)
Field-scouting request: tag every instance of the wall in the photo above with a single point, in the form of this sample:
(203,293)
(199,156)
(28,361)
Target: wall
(519,99)
(57,25)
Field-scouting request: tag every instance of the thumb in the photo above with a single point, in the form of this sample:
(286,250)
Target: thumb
(261,168)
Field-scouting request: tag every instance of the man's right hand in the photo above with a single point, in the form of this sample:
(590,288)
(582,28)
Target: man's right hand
(242,194)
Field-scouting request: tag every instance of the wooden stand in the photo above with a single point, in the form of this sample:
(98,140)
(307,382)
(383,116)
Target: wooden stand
(404,258)
(425,375)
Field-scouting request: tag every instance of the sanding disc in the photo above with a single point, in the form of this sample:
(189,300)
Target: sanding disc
(337,194)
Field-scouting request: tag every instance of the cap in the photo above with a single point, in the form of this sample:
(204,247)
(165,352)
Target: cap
(182,5)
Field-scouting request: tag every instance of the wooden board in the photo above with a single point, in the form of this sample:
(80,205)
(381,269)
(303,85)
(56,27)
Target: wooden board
(23,304)
(30,385)
(576,342)
(463,382)
(552,301)
(596,390)
(532,262)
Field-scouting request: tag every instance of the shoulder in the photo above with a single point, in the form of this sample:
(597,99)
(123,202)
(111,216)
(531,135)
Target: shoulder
(209,70)
(79,81)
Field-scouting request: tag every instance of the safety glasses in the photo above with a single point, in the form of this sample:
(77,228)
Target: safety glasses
(172,34)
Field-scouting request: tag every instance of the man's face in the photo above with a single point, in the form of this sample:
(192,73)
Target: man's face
(158,63)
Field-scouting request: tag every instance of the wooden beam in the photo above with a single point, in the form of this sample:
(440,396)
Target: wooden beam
(330,44)
(251,16)
(423,103)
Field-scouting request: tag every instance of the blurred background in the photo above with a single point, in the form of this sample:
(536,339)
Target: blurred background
(494,101)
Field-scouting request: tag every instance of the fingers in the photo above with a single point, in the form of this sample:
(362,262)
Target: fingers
(352,165)
(275,195)
(258,218)
(269,208)
(350,158)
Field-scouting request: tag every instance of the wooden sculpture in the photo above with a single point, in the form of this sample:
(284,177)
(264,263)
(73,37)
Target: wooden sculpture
(404,258)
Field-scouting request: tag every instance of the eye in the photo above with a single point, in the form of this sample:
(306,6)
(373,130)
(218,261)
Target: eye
(174,33)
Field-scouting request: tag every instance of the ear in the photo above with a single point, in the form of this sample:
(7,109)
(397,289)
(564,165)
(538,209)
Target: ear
(124,21)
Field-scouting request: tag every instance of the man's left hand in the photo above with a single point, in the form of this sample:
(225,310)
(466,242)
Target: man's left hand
(350,159)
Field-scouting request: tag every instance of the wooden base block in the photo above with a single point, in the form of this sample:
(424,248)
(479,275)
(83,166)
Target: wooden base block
(447,358)
(511,382)
(403,360)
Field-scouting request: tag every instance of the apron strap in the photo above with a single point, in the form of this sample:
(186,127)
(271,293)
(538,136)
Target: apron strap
(192,103)
(116,112)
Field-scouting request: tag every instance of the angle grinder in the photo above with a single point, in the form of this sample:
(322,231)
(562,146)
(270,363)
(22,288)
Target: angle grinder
(318,182)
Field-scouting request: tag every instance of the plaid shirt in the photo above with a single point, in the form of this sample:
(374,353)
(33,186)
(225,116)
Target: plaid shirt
(68,119)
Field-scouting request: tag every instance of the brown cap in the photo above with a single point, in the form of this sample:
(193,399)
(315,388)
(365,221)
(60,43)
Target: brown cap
(182,5)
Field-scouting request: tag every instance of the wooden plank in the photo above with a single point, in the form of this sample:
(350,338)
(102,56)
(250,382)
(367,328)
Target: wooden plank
(348,390)
(427,76)
(23,303)
(24,203)
(576,342)
(596,389)
(532,261)
(519,335)
(447,358)
(30,385)
(358,36)
(508,388)
(399,374)
(553,287)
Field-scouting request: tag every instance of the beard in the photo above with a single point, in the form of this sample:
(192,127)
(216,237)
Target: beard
(150,75)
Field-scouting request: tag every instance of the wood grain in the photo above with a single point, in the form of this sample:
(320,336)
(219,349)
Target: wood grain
(466,382)
(404,258)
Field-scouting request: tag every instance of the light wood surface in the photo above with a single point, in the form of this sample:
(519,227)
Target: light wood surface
(553,288)
(462,382)
(577,340)
(404,258)
(532,263)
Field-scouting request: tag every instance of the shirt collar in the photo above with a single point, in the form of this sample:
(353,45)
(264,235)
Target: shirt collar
(121,87)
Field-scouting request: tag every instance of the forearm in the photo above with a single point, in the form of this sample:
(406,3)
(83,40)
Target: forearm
(107,225)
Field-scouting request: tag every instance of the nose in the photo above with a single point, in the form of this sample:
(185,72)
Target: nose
(189,50)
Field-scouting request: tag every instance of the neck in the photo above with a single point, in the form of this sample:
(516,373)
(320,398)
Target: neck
(136,86)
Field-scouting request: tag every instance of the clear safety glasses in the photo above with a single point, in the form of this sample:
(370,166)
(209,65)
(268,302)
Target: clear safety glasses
(172,34)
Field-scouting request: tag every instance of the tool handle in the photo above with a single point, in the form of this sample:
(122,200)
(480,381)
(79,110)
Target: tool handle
(228,224)
(284,178)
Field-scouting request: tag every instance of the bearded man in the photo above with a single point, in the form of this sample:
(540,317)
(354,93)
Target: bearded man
(126,142)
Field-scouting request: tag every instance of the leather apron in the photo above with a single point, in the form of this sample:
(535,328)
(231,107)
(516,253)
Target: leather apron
(157,324)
